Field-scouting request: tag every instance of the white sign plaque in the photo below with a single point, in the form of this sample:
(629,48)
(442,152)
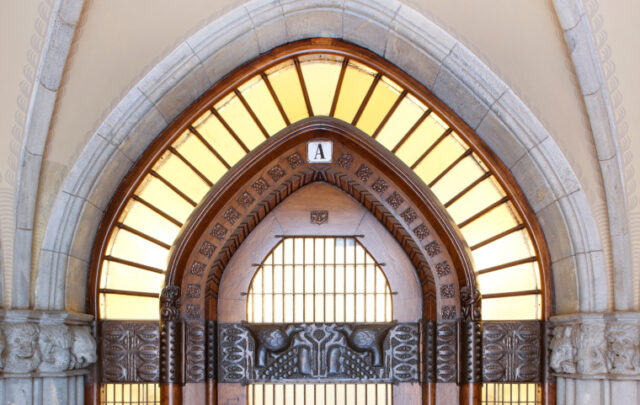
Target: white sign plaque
(319,151)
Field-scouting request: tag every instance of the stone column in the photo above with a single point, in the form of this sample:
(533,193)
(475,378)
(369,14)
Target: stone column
(596,357)
(44,356)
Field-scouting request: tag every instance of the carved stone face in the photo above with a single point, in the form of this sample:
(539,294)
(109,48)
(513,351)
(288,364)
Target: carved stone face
(83,348)
(22,352)
(624,350)
(55,344)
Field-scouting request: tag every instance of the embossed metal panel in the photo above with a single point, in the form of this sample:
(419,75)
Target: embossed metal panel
(130,351)
(512,351)
(319,352)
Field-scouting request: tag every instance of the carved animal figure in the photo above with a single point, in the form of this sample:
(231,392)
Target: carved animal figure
(22,347)
(271,338)
(367,338)
(55,344)
(83,348)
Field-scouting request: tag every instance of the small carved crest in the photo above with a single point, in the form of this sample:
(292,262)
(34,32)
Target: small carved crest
(319,217)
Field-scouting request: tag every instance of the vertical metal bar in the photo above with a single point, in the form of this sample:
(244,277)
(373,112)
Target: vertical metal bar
(355,283)
(315,288)
(304,279)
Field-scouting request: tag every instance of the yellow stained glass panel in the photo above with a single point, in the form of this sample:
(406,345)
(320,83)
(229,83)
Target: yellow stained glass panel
(458,178)
(142,218)
(199,156)
(238,118)
(509,248)
(126,245)
(118,306)
(221,140)
(405,116)
(443,155)
(118,276)
(259,99)
(478,198)
(383,97)
(285,83)
(422,138)
(517,278)
(176,172)
(516,308)
(160,195)
(355,85)
(490,224)
(321,79)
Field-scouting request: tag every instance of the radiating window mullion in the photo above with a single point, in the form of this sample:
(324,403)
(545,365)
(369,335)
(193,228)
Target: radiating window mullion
(172,187)
(275,98)
(190,165)
(230,130)
(498,236)
(157,210)
(366,99)
(411,131)
(303,86)
(453,164)
(207,145)
(336,94)
(251,113)
(392,110)
(426,153)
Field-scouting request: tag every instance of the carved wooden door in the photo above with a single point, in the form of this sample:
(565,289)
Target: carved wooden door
(319,306)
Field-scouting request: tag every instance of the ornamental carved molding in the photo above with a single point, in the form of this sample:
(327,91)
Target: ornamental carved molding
(319,352)
(596,346)
(130,351)
(42,344)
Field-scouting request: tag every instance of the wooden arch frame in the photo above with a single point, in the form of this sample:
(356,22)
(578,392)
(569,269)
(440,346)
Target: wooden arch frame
(406,184)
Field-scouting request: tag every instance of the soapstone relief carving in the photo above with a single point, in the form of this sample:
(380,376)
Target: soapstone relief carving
(22,354)
(55,344)
(49,348)
(596,348)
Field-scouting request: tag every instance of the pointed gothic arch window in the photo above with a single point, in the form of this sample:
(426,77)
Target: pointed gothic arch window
(296,82)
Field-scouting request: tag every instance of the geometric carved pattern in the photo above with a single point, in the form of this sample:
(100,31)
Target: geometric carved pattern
(363,173)
(195,351)
(446,350)
(409,215)
(379,185)
(276,173)
(260,186)
(443,269)
(318,352)
(345,160)
(511,351)
(395,200)
(130,351)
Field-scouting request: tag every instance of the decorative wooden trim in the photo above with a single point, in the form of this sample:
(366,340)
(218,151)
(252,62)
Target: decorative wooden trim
(195,348)
(319,352)
(471,348)
(130,352)
(512,351)
(446,352)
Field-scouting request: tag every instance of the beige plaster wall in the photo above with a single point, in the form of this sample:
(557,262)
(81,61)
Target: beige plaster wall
(23,26)
(615,33)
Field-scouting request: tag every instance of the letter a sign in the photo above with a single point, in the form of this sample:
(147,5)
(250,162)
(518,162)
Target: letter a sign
(319,151)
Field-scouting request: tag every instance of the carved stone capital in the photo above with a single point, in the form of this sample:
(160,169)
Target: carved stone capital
(43,343)
(596,345)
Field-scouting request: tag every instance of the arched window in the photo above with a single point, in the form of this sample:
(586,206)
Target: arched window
(196,159)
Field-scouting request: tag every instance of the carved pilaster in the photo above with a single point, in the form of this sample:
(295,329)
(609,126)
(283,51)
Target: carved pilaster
(471,347)
(169,352)
(212,350)
(195,349)
(429,351)
(446,352)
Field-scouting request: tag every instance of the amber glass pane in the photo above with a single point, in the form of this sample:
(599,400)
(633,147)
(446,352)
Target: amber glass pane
(257,94)
(161,196)
(443,155)
(130,394)
(181,176)
(238,118)
(383,97)
(118,276)
(356,82)
(320,74)
(117,306)
(458,178)
(509,248)
(523,277)
(511,394)
(126,245)
(405,116)
(286,84)
(490,224)
(422,138)
(195,152)
(506,308)
(319,394)
(480,197)
(140,217)
(221,140)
